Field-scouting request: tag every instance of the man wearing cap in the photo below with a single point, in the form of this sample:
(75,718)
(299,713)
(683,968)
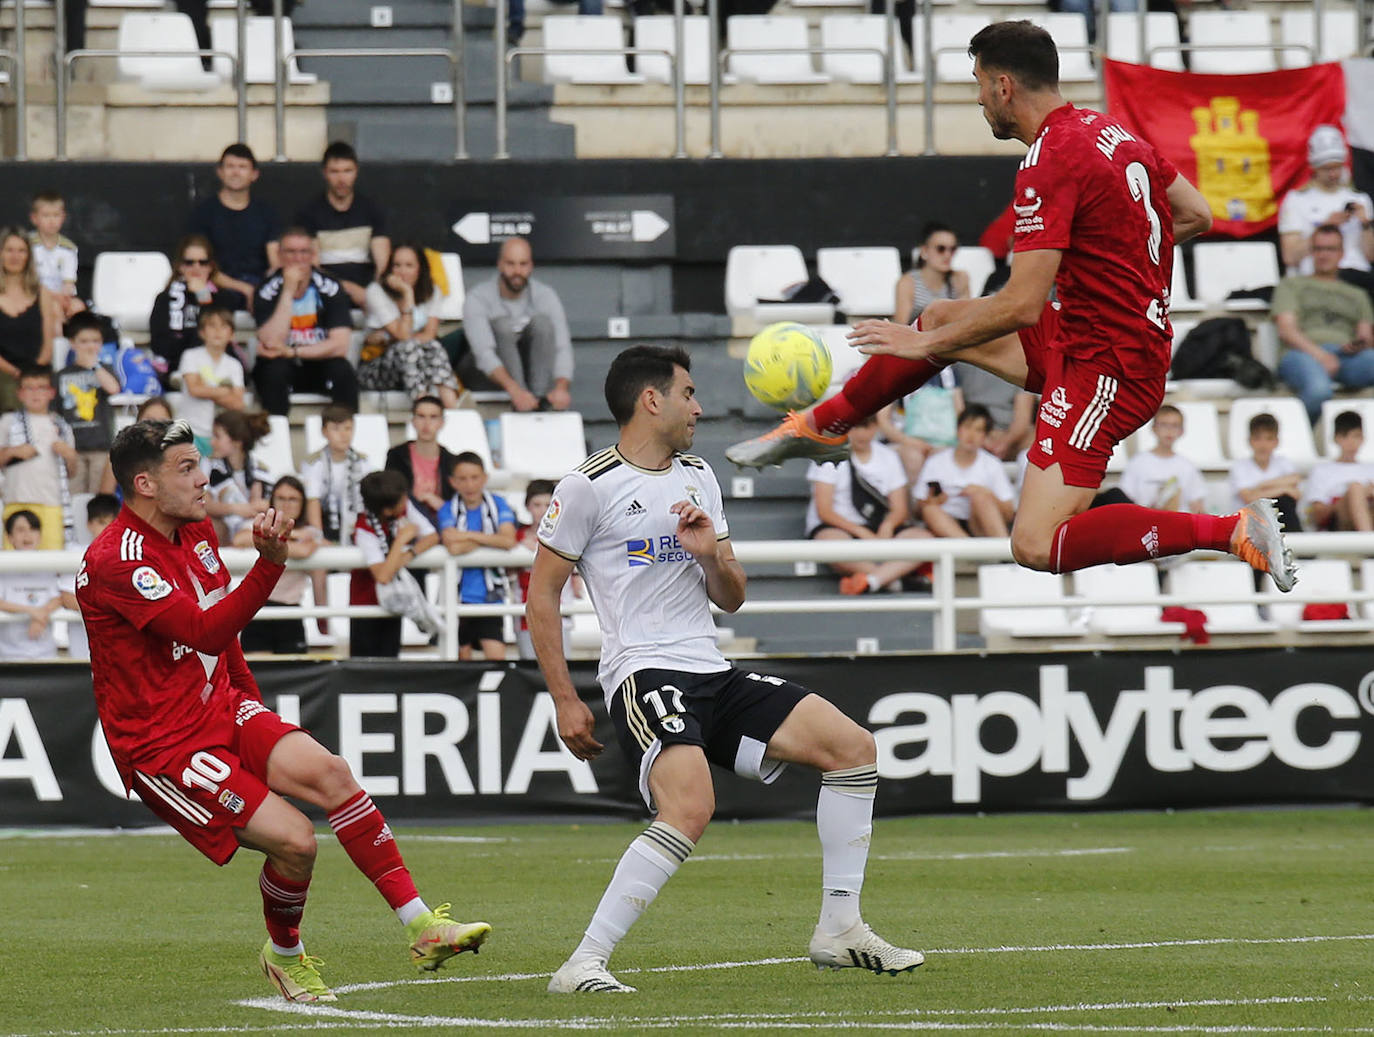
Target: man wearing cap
(1328,199)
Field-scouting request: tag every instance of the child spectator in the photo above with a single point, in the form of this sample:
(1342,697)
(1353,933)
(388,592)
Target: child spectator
(84,388)
(862,498)
(100,512)
(333,477)
(538,495)
(1160,478)
(36,595)
(37,448)
(1339,492)
(1266,473)
(210,377)
(390,531)
(283,636)
(422,460)
(238,486)
(54,255)
(471,519)
(966,491)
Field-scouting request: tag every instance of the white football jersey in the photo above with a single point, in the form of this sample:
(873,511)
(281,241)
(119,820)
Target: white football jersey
(611,518)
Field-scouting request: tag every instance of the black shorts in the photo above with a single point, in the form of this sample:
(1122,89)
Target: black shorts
(731,714)
(473,630)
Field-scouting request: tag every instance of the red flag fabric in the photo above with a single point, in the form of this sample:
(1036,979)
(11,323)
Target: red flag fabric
(1241,139)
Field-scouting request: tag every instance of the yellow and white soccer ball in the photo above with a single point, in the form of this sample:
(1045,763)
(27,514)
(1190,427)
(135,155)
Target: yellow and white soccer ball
(787,366)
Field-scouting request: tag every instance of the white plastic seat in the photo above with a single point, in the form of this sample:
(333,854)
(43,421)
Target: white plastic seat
(950,33)
(754,272)
(542,444)
(853,32)
(758,32)
(1231,27)
(844,358)
(865,279)
(977,262)
(1225,591)
(273,451)
(1223,267)
(371,437)
(451,308)
(656,31)
(1340,36)
(1070,34)
(1364,408)
(1322,580)
(1295,431)
(162,30)
(1161,30)
(1180,299)
(260,61)
(1201,439)
(124,286)
(1136,588)
(1036,606)
(571,33)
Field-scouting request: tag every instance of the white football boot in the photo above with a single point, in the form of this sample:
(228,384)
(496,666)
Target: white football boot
(860,947)
(588,976)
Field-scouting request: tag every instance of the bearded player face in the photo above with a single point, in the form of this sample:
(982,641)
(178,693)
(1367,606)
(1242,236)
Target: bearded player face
(994,104)
(178,484)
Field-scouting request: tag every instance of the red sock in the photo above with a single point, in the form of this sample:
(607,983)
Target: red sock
(367,840)
(1125,533)
(283,903)
(881,380)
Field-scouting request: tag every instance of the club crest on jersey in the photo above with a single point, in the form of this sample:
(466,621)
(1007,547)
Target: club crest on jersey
(673,724)
(230,802)
(550,520)
(148,583)
(206,554)
(694,495)
(639,552)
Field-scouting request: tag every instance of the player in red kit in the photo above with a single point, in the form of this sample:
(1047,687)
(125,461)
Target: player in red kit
(1098,211)
(185,721)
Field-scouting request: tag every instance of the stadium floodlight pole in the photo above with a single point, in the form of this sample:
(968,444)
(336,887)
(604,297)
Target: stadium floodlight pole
(278,27)
(502,71)
(713,28)
(59,32)
(21,93)
(460,127)
(679,79)
(240,73)
(894,40)
(928,85)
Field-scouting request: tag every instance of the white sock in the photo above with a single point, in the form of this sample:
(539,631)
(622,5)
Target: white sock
(844,821)
(411,910)
(289,952)
(647,864)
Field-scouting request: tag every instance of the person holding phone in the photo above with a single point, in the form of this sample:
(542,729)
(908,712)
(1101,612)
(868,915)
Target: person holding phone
(966,491)
(1328,199)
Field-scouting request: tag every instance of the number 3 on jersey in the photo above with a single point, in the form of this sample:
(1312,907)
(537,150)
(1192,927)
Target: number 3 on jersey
(1138,181)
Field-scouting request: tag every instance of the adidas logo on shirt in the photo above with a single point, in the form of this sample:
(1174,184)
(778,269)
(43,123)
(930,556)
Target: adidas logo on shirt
(1047,445)
(636,508)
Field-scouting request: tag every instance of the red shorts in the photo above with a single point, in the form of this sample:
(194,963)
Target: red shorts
(209,790)
(1087,406)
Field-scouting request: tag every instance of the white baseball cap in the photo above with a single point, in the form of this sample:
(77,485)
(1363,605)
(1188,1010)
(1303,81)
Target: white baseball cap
(1325,146)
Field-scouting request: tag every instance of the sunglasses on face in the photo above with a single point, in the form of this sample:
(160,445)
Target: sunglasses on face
(941,248)
(195,262)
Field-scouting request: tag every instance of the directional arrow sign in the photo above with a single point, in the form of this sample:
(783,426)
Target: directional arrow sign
(587,228)
(647,225)
(474,228)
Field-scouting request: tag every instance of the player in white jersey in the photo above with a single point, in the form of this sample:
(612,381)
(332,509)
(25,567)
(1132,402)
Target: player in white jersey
(643,523)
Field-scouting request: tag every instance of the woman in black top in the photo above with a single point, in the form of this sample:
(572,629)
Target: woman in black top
(29,315)
(196,279)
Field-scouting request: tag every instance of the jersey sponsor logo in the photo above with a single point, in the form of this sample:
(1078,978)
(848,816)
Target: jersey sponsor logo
(636,508)
(1055,407)
(148,583)
(247,710)
(1027,209)
(550,520)
(639,552)
(206,554)
(642,551)
(231,802)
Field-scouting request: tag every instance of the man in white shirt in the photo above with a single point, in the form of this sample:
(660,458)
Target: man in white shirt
(1326,198)
(964,491)
(1160,478)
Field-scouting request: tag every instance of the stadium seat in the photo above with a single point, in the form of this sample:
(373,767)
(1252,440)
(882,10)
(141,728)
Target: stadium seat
(1161,30)
(845,35)
(1070,34)
(452,306)
(260,62)
(1201,439)
(865,279)
(165,31)
(950,34)
(542,445)
(1295,431)
(1340,36)
(1225,591)
(844,358)
(1180,299)
(656,31)
(765,272)
(1326,581)
(1223,267)
(974,260)
(766,32)
(125,285)
(1234,27)
(1036,606)
(1364,408)
(1136,588)
(573,33)
(273,451)
(371,438)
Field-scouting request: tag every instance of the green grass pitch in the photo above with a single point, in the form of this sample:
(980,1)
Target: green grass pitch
(1199,922)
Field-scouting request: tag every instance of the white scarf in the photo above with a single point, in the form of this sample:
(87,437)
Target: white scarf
(495,578)
(20,433)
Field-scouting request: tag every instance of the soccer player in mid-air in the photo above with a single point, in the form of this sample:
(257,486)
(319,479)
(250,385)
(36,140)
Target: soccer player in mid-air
(642,522)
(185,721)
(1098,212)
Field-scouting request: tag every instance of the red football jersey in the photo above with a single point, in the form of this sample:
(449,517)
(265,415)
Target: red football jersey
(153,694)
(1094,190)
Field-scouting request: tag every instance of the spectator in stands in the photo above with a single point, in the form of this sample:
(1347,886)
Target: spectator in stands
(155,408)
(402,350)
(923,422)
(35,595)
(54,255)
(350,227)
(932,277)
(1160,478)
(84,388)
(1326,327)
(100,512)
(196,281)
(1339,493)
(1267,473)
(964,491)
(515,21)
(29,315)
(538,497)
(518,334)
(1328,199)
(474,518)
(422,460)
(304,330)
(35,450)
(390,531)
(865,497)
(242,229)
(1012,409)
(238,484)
(211,378)
(283,636)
